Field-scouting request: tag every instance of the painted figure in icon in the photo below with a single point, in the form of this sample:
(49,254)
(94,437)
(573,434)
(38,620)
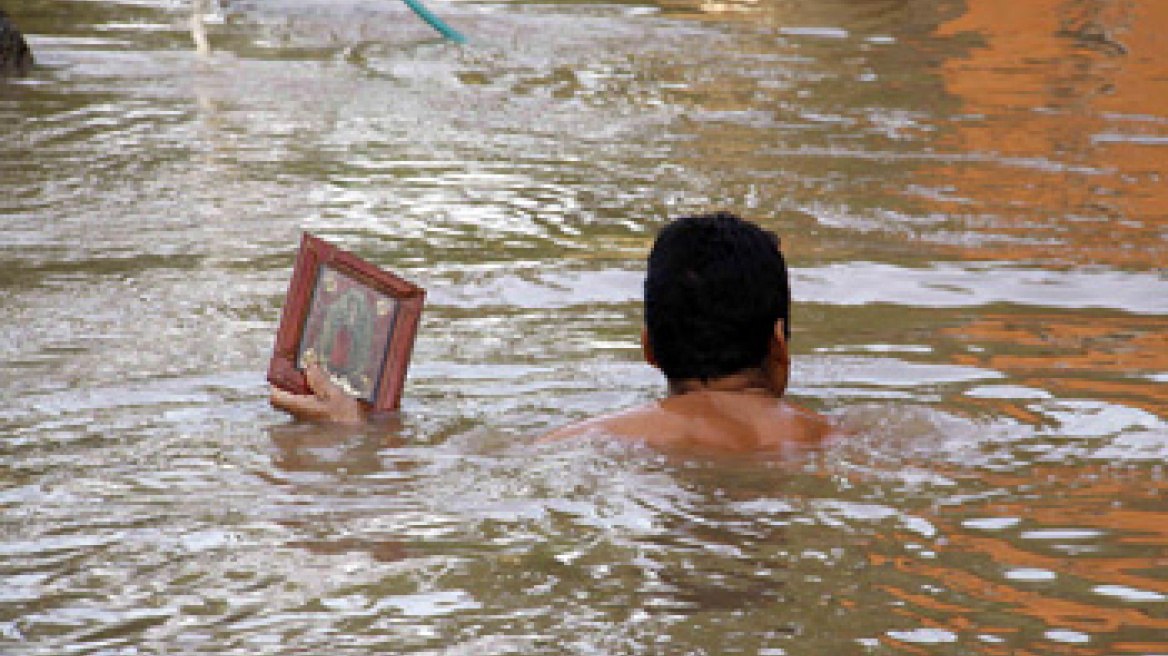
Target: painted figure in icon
(345,324)
(347,338)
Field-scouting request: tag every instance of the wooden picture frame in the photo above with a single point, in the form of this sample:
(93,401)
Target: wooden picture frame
(356,320)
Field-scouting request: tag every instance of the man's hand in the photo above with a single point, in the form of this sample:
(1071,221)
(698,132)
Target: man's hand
(327,403)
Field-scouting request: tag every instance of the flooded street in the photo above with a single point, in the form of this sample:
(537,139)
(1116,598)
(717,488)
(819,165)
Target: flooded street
(973,197)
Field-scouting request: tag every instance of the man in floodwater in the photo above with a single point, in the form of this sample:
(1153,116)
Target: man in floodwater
(717,310)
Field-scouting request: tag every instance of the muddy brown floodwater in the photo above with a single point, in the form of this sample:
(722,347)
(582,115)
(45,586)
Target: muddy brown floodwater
(973,195)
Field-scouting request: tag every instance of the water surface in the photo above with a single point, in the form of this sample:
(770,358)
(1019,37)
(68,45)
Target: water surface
(971,194)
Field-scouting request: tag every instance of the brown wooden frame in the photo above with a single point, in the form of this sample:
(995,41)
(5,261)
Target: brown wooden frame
(315,253)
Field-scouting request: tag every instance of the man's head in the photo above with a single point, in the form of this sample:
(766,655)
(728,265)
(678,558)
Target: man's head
(715,288)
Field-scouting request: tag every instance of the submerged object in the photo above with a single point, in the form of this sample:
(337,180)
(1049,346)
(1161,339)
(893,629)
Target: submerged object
(435,22)
(15,55)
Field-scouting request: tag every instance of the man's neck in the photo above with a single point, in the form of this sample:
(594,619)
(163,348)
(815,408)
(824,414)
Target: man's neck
(748,381)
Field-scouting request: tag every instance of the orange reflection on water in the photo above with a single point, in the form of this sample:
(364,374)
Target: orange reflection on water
(973,567)
(1110,358)
(1096,530)
(1062,128)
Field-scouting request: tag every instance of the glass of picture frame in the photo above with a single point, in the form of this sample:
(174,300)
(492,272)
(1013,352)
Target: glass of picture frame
(354,319)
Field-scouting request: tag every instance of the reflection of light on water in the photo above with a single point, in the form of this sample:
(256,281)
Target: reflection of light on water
(1129,594)
(1025,574)
(714,6)
(1063,635)
(924,636)
(991,523)
(1060,534)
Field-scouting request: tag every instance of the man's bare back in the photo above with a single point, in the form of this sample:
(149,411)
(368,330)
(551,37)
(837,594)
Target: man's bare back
(728,418)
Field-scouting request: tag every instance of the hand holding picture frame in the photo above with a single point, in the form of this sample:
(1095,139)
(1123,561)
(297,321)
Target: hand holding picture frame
(355,320)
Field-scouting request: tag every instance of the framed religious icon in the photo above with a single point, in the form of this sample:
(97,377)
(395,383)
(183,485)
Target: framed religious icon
(355,320)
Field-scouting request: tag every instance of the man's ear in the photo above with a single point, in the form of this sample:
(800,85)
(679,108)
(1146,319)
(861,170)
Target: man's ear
(778,346)
(778,360)
(647,348)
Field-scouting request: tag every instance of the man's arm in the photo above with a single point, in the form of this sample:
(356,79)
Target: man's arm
(328,403)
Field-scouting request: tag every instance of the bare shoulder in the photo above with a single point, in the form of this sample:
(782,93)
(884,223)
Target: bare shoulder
(806,425)
(644,422)
(706,422)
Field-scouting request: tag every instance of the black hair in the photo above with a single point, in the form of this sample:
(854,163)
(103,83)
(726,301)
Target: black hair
(715,287)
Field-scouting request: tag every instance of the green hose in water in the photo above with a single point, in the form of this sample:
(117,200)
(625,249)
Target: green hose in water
(435,22)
